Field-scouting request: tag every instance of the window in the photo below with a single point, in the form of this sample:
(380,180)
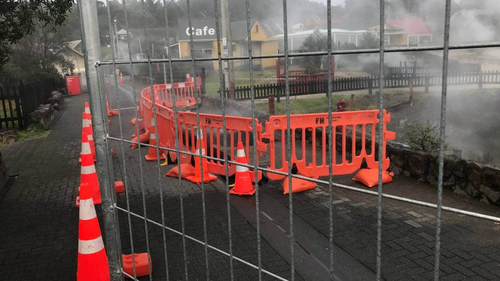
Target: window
(256,28)
(413,40)
(387,40)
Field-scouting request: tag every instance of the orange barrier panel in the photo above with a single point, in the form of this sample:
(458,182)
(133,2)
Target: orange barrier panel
(311,129)
(237,129)
(184,92)
(310,157)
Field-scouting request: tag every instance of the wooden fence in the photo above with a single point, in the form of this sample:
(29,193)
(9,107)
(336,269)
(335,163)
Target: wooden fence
(367,83)
(412,68)
(19,101)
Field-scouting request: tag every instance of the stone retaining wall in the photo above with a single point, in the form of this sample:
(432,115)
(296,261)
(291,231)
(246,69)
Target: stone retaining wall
(464,177)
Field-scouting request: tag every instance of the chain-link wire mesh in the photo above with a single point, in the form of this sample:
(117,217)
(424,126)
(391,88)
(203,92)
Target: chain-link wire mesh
(140,178)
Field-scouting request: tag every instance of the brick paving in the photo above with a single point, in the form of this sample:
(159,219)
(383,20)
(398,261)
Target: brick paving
(39,232)
(470,247)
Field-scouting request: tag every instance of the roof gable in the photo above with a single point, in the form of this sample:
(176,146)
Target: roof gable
(413,25)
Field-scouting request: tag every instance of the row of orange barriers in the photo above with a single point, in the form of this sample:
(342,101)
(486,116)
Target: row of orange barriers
(310,157)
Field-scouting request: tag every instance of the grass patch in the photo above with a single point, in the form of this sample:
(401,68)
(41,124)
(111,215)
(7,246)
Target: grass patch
(242,78)
(320,104)
(7,109)
(34,131)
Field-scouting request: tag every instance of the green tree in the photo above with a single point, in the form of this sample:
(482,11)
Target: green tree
(20,18)
(368,41)
(35,56)
(316,42)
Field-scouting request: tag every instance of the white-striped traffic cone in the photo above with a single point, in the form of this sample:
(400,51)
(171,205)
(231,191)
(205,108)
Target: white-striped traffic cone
(87,128)
(152,141)
(88,173)
(198,170)
(92,258)
(243,182)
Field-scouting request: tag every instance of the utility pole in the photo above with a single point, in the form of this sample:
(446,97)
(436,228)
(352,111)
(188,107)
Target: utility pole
(227,47)
(164,71)
(116,38)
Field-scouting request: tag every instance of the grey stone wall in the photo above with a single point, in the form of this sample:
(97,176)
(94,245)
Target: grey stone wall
(464,177)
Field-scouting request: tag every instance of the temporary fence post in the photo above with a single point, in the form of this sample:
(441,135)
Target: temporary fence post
(203,77)
(231,90)
(17,101)
(370,86)
(480,80)
(427,82)
(92,51)
(271,104)
(411,91)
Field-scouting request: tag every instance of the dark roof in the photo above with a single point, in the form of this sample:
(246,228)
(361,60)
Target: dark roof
(238,29)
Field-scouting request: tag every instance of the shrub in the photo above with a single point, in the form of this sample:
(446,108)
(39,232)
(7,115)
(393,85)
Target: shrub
(423,137)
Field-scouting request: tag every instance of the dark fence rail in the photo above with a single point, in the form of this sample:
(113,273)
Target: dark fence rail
(369,83)
(18,102)
(410,69)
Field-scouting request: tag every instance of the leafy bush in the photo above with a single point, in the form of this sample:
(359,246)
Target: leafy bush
(315,42)
(423,137)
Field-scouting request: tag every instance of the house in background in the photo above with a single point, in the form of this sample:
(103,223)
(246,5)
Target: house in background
(339,37)
(404,32)
(122,34)
(316,22)
(393,36)
(72,52)
(418,31)
(205,40)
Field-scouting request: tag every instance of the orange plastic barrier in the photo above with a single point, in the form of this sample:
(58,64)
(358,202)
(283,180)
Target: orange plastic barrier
(184,93)
(311,129)
(310,157)
(237,129)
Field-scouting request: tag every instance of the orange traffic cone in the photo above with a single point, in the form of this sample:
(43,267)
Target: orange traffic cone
(243,183)
(152,141)
(88,173)
(196,177)
(110,112)
(121,78)
(87,109)
(139,113)
(87,116)
(92,258)
(88,130)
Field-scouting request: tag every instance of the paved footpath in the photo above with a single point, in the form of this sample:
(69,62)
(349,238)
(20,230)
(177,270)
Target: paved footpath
(39,223)
(38,220)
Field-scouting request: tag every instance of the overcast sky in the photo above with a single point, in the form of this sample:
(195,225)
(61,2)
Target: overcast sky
(334,2)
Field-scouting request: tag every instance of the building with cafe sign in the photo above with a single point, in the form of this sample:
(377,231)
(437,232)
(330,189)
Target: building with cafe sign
(205,40)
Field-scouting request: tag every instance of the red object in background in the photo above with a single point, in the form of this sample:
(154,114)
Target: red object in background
(341,106)
(73,85)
